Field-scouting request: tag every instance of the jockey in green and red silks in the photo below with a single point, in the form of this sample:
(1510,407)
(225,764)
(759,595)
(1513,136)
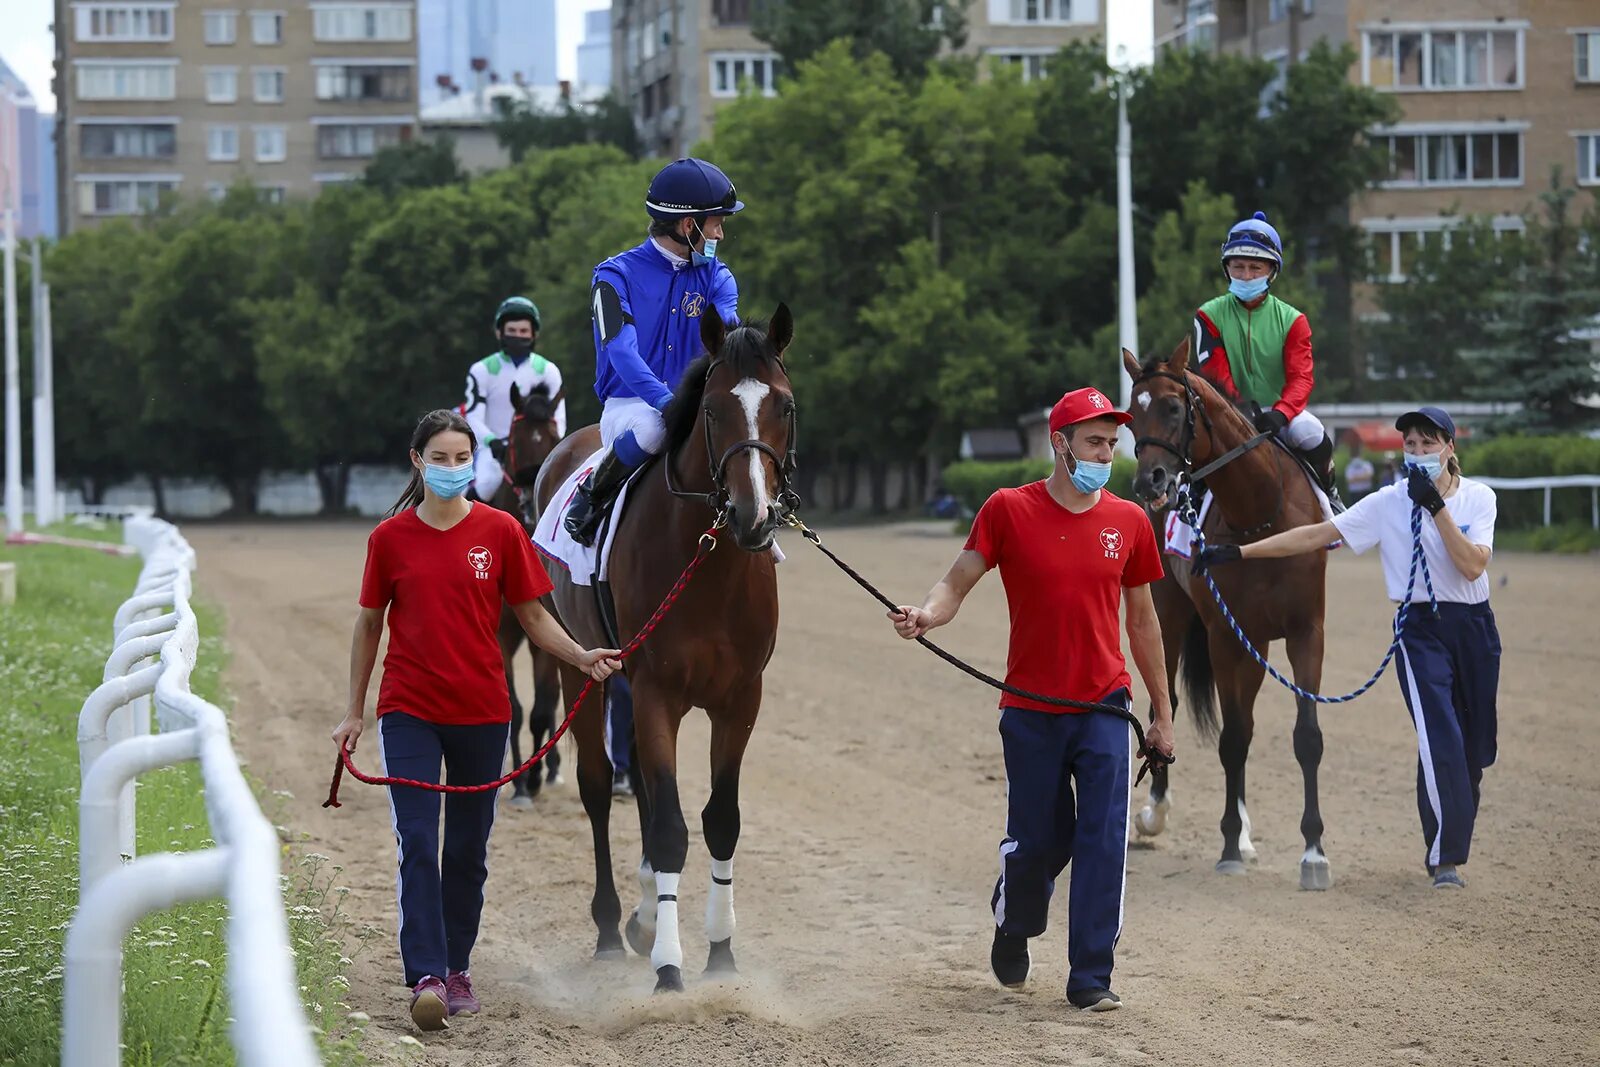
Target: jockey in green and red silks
(1256,348)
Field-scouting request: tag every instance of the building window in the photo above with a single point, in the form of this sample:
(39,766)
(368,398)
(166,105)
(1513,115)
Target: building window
(730,12)
(272,194)
(269,84)
(122,196)
(358,141)
(1442,59)
(119,22)
(266,27)
(272,144)
(1393,246)
(126,81)
(1453,158)
(1586,55)
(132,141)
(1034,65)
(362,22)
(222,144)
(353,82)
(1278,10)
(222,85)
(730,70)
(222,27)
(1588,158)
(1040,12)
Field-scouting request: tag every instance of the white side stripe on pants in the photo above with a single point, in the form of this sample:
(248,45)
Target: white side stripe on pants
(399,849)
(1424,752)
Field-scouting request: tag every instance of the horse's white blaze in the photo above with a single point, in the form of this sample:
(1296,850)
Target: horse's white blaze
(751,393)
(719,903)
(1246,848)
(1144,401)
(667,951)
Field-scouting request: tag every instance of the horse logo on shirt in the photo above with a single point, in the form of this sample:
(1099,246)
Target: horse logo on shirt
(480,559)
(1111,542)
(693,304)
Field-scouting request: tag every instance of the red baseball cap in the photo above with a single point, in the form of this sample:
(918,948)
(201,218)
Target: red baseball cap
(1081,405)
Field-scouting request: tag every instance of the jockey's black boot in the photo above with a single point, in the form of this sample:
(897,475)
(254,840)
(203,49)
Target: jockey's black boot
(1320,456)
(594,494)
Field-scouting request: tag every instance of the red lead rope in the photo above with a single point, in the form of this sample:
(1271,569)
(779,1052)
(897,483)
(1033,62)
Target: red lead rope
(342,761)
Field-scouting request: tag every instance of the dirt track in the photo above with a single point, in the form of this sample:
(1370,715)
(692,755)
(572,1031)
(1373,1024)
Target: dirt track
(872,810)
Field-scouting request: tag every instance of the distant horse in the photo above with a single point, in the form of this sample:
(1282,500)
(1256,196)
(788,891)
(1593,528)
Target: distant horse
(534,435)
(729,454)
(1180,424)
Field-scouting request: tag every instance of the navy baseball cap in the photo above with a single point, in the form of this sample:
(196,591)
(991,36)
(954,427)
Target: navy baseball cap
(1429,418)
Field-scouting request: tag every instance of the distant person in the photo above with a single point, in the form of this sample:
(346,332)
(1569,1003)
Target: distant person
(490,381)
(943,504)
(1358,473)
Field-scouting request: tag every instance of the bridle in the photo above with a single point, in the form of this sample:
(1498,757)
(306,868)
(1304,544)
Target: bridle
(523,493)
(1188,475)
(717,499)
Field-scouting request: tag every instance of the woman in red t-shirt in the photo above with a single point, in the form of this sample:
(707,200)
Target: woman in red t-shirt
(441,566)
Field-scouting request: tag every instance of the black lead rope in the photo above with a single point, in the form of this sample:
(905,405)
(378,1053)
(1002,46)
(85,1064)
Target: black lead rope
(1151,757)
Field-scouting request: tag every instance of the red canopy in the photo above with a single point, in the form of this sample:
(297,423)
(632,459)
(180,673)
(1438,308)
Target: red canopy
(1378,435)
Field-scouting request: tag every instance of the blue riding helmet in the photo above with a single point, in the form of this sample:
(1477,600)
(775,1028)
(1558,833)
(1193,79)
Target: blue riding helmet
(688,187)
(1254,238)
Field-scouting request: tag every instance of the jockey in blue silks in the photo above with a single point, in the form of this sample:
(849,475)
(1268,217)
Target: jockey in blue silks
(647,306)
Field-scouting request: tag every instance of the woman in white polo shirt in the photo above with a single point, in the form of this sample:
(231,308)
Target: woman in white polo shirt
(1449,662)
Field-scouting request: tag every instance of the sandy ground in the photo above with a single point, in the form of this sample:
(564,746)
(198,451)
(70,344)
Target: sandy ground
(873,806)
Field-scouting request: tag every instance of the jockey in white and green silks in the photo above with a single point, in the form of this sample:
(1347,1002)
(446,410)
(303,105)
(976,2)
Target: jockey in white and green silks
(488,407)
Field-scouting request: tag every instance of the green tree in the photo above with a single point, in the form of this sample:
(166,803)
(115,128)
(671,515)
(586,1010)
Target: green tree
(522,128)
(1538,351)
(909,32)
(417,164)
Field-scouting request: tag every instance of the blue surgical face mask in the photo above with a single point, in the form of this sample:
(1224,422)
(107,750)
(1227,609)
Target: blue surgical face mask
(1087,477)
(708,253)
(447,482)
(1430,463)
(1247,291)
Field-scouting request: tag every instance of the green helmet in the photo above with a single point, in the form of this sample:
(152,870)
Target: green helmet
(516,307)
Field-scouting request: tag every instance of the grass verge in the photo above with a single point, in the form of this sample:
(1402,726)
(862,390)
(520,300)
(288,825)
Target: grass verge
(53,645)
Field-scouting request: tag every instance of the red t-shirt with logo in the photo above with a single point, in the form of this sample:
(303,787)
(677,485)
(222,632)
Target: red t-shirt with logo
(1064,575)
(443,589)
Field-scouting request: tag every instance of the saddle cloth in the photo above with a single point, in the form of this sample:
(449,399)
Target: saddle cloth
(550,535)
(1180,538)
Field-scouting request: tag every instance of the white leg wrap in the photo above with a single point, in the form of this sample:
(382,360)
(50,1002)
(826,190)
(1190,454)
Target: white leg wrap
(667,951)
(1246,848)
(719,902)
(1152,818)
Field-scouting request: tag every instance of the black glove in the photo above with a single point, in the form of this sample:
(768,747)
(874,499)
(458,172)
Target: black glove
(1423,493)
(1211,555)
(1270,421)
(497,449)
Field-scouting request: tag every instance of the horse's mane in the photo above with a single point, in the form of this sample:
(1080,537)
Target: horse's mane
(1207,391)
(746,349)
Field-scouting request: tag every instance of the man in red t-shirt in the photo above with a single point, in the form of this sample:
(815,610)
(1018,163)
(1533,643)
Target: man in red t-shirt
(1067,550)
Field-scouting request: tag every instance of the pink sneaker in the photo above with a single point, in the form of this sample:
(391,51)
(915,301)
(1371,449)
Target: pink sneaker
(428,1007)
(459,987)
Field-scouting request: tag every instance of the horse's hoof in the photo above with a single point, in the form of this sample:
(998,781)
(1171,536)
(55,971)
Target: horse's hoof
(608,946)
(720,961)
(556,778)
(610,954)
(640,938)
(1150,820)
(1230,867)
(520,800)
(669,979)
(1316,874)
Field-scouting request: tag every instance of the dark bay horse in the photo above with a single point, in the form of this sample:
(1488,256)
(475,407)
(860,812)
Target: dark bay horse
(729,453)
(1181,424)
(533,436)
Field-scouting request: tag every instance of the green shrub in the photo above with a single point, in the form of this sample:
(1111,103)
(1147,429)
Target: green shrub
(973,482)
(1535,457)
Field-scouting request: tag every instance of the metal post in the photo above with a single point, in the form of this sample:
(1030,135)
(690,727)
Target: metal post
(13,385)
(1547,505)
(1594,507)
(1127,305)
(46,507)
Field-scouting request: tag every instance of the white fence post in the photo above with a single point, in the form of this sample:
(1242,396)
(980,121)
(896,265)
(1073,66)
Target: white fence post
(115,747)
(1549,485)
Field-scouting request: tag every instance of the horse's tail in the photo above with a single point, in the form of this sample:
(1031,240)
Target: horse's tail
(1199,683)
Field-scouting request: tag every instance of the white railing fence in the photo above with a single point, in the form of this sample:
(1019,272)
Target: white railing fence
(1562,481)
(155,643)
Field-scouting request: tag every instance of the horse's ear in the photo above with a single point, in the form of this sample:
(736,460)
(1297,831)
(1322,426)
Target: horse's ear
(780,331)
(1179,360)
(713,331)
(1131,363)
(516,397)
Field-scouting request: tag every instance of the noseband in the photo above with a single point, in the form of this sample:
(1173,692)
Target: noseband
(717,500)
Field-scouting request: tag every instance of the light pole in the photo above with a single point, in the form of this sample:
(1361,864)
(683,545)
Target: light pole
(1127,285)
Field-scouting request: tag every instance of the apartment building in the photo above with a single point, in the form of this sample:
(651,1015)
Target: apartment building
(678,61)
(158,96)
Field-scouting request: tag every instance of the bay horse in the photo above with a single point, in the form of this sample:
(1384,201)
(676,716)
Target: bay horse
(1181,424)
(533,436)
(728,456)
